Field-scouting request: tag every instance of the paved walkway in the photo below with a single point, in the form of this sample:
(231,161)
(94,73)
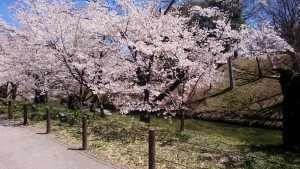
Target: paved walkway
(22,148)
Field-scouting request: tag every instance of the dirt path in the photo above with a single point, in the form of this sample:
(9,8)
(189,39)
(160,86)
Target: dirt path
(22,148)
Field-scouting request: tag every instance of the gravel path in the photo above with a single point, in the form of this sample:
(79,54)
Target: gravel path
(22,148)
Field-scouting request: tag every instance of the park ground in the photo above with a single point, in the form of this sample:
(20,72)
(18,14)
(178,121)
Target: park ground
(25,148)
(123,140)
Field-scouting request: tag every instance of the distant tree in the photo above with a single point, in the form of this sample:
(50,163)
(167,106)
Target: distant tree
(284,15)
(233,11)
(60,49)
(250,9)
(231,8)
(263,40)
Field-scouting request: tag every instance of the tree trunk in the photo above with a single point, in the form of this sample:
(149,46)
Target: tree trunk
(181,75)
(3,90)
(93,107)
(94,103)
(14,92)
(40,98)
(230,73)
(80,95)
(182,126)
(145,115)
(167,91)
(73,102)
(260,75)
(295,61)
(102,115)
(290,84)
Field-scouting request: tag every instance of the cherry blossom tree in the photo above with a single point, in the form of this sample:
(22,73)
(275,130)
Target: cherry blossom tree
(166,54)
(11,65)
(284,16)
(148,57)
(135,50)
(65,46)
(262,41)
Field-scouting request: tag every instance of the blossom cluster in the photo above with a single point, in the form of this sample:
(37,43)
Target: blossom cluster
(146,59)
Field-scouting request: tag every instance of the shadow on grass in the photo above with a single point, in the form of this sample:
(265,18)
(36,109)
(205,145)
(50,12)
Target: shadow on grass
(111,131)
(225,90)
(284,158)
(211,96)
(254,156)
(246,78)
(269,116)
(269,149)
(265,112)
(269,111)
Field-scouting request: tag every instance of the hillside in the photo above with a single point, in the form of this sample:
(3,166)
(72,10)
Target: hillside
(254,101)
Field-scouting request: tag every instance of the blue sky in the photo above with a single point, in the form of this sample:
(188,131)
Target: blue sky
(4,10)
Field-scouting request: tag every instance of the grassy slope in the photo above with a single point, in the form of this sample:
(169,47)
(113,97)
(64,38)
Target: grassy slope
(255,101)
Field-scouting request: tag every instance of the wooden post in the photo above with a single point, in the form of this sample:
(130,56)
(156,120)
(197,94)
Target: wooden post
(48,121)
(25,114)
(10,114)
(151,149)
(84,132)
(230,73)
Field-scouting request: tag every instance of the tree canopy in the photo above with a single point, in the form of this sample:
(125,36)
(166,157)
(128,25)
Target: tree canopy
(149,59)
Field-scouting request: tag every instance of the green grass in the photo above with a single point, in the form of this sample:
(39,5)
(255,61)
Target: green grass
(123,140)
(254,101)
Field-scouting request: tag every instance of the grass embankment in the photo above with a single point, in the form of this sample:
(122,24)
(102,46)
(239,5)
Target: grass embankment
(254,101)
(123,140)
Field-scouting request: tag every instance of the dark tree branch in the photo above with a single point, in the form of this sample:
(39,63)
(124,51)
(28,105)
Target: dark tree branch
(169,6)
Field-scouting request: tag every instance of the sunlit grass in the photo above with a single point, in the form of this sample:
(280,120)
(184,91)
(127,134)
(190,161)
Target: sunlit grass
(123,140)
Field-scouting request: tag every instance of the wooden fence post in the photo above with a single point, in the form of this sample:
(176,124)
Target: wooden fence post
(25,114)
(151,149)
(10,114)
(84,132)
(48,121)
